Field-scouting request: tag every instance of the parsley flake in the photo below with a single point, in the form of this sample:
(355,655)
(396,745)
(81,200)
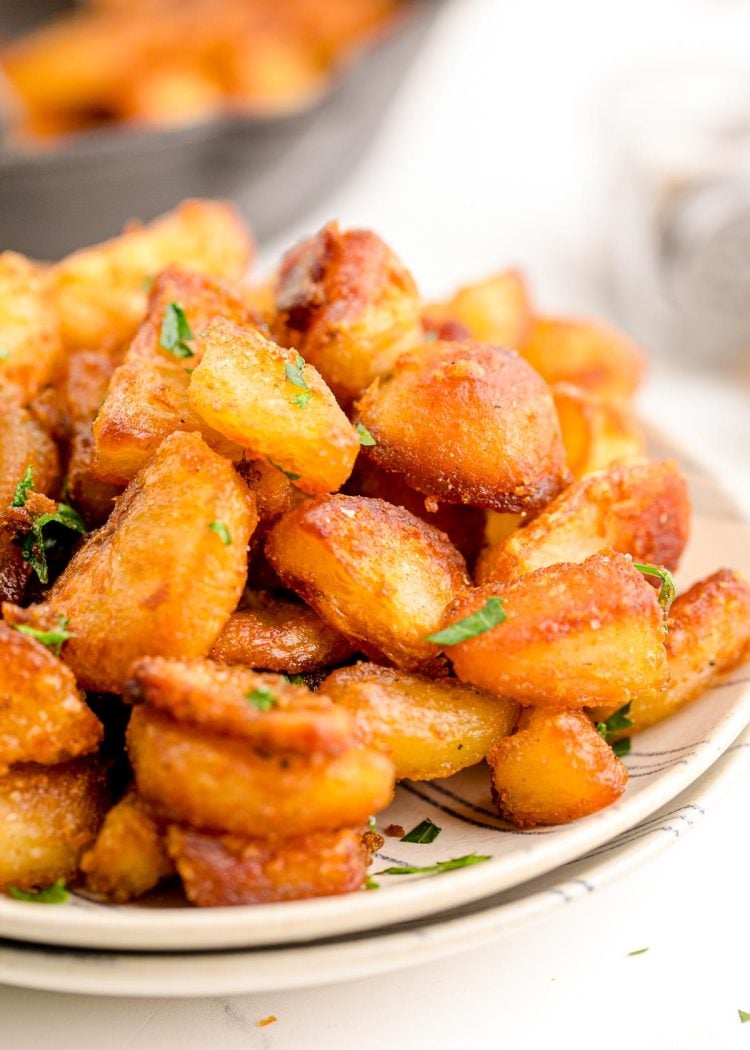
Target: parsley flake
(365,437)
(53,639)
(622,747)
(371,884)
(294,373)
(614,725)
(442,865)
(175,331)
(744,1016)
(371,824)
(288,473)
(424,832)
(221,531)
(35,545)
(54,894)
(638,951)
(667,591)
(302,399)
(22,488)
(263,698)
(484,619)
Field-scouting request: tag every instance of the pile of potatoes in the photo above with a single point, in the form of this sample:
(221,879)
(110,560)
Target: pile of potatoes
(336,537)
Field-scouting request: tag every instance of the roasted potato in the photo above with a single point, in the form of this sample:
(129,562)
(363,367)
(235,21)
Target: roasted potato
(496,310)
(596,432)
(48,816)
(163,575)
(430,727)
(554,769)
(642,509)
(272,490)
(348,305)
(573,636)
(219,783)
(467,423)
(219,870)
(30,346)
(278,634)
(373,571)
(266,399)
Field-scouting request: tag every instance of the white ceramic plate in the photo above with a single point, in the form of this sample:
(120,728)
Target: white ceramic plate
(665,760)
(368,954)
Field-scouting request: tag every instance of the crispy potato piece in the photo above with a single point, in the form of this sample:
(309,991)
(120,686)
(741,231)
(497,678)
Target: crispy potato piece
(43,717)
(273,491)
(596,432)
(375,572)
(48,817)
(156,579)
(348,305)
(30,347)
(277,634)
(264,398)
(429,727)
(467,423)
(220,700)
(555,769)
(219,870)
(148,393)
(642,509)
(496,310)
(574,636)
(129,856)
(219,783)
(100,292)
(587,354)
(500,526)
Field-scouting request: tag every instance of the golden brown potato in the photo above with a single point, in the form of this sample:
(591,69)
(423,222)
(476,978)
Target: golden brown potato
(219,870)
(596,432)
(379,575)
(266,399)
(264,709)
(100,292)
(555,769)
(220,783)
(496,310)
(129,857)
(429,727)
(148,393)
(587,354)
(348,305)
(43,717)
(273,491)
(30,347)
(642,509)
(274,633)
(48,816)
(467,423)
(158,578)
(574,636)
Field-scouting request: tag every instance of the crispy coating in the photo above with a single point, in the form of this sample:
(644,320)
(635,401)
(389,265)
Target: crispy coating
(219,870)
(642,509)
(495,310)
(129,856)
(148,393)
(29,331)
(429,727)
(350,307)
(278,634)
(574,636)
(156,579)
(220,699)
(596,432)
(379,575)
(467,423)
(43,716)
(555,769)
(100,292)
(587,354)
(220,783)
(48,816)
(273,491)
(243,388)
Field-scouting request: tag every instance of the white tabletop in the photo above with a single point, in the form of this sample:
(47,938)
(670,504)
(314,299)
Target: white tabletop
(489,158)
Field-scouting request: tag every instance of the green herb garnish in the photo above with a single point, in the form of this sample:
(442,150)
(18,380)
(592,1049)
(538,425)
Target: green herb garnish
(744,1016)
(638,951)
(54,894)
(484,619)
(667,591)
(294,373)
(22,488)
(371,884)
(302,399)
(622,747)
(263,698)
(54,638)
(35,544)
(292,477)
(365,437)
(615,725)
(175,331)
(371,825)
(442,865)
(424,832)
(221,531)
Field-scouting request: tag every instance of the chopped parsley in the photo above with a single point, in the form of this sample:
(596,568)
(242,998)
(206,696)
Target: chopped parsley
(54,894)
(371,824)
(263,698)
(294,373)
(292,477)
(302,399)
(484,619)
(365,437)
(53,639)
(23,487)
(638,951)
(744,1016)
(424,832)
(614,725)
(35,545)
(371,884)
(667,591)
(221,531)
(175,331)
(442,865)
(622,747)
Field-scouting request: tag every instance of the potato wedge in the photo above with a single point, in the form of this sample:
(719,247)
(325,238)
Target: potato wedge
(467,423)
(348,305)
(554,769)
(264,398)
(48,816)
(379,575)
(156,579)
(220,870)
(642,509)
(30,346)
(100,292)
(496,310)
(596,432)
(574,636)
(219,783)
(430,727)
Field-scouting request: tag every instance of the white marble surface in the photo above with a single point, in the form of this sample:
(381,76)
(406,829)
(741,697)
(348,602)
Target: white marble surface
(494,155)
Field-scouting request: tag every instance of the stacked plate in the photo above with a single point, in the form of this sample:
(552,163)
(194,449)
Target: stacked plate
(161,947)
